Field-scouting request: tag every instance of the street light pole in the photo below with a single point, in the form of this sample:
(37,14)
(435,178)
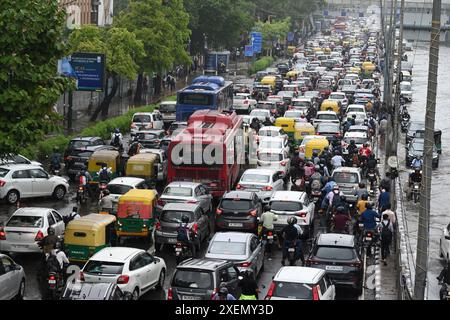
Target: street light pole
(425,194)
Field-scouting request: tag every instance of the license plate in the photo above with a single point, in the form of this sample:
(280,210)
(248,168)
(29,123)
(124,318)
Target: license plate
(171,240)
(20,246)
(177,249)
(252,190)
(334,268)
(235,224)
(368,239)
(190,298)
(270,237)
(291,250)
(52,281)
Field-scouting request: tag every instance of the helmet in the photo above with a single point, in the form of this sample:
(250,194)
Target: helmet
(106,192)
(366,120)
(352,142)
(369,205)
(117,130)
(366,145)
(417,157)
(315,154)
(292,220)
(223,291)
(58,245)
(364,196)
(343,198)
(51,231)
(267,208)
(337,152)
(247,274)
(185,219)
(340,209)
(354,116)
(317,167)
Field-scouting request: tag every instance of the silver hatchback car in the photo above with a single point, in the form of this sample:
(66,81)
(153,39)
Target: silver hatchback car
(12,279)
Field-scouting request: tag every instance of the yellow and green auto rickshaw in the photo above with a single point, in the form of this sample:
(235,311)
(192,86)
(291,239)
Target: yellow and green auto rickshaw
(316,145)
(89,234)
(269,80)
(136,213)
(331,105)
(293,74)
(110,158)
(302,129)
(288,125)
(367,69)
(142,166)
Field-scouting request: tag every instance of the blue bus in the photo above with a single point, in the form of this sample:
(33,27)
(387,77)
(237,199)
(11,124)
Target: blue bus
(205,92)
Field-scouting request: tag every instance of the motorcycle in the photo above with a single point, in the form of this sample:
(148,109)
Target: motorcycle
(81,194)
(55,285)
(102,187)
(316,194)
(372,177)
(404,125)
(182,252)
(291,253)
(268,238)
(416,192)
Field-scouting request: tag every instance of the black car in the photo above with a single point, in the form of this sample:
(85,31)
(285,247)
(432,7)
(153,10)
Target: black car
(340,256)
(94,291)
(82,143)
(198,279)
(238,210)
(283,68)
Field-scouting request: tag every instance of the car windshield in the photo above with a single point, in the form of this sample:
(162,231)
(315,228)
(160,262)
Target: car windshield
(286,206)
(77,144)
(354,109)
(269,133)
(178,191)
(270,144)
(118,188)
(270,157)
(310,94)
(253,177)
(236,204)
(327,117)
(175,216)
(259,114)
(193,279)
(345,177)
(304,104)
(418,146)
(336,96)
(405,87)
(82,153)
(142,118)
(327,128)
(293,114)
(3,172)
(103,267)
(167,108)
(239,97)
(358,140)
(335,253)
(26,221)
(146,136)
(291,290)
(227,248)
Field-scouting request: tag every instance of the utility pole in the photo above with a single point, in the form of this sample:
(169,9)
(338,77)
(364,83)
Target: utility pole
(425,194)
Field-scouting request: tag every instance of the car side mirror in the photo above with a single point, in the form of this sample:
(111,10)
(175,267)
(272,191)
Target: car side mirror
(447,237)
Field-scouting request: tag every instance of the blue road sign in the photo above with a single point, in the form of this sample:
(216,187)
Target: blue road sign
(290,36)
(249,51)
(256,41)
(89,69)
(325,13)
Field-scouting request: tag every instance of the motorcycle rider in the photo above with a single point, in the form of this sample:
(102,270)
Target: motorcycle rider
(117,140)
(291,236)
(55,160)
(362,189)
(337,161)
(104,174)
(315,158)
(415,177)
(341,220)
(368,217)
(266,220)
(444,279)
(61,257)
(74,215)
(417,163)
(249,286)
(185,234)
(352,149)
(223,294)
(267,122)
(48,243)
(255,125)
(347,124)
(135,146)
(364,153)
(84,177)
(105,204)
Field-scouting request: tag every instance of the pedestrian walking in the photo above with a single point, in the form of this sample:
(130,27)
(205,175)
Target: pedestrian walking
(386,238)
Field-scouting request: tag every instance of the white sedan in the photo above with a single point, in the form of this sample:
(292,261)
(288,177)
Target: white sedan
(244,102)
(444,243)
(134,270)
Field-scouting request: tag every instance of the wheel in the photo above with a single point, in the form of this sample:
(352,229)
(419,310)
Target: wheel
(136,294)
(21,292)
(59,192)
(13,196)
(162,277)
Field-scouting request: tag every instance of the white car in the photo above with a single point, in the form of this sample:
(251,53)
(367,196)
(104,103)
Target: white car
(146,121)
(356,108)
(339,96)
(121,185)
(295,114)
(244,102)
(444,243)
(19,181)
(326,116)
(360,117)
(277,159)
(262,114)
(359,137)
(27,226)
(301,283)
(12,279)
(273,143)
(272,131)
(186,192)
(306,139)
(18,159)
(264,182)
(134,270)
(286,204)
(406,90)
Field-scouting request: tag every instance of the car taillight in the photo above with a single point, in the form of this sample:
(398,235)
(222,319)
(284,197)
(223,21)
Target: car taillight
(39,236)
(244,264)
(301,214)
(238,186)
(214,293)
(213,184)
(311,262)
(157,141)
(270,233)
(52,277)
(192,201)
(337,135)
(158,225)
(246,102)
(161,202)
(81,276)
(283,163)
(270,292)
(315,292)
(218,211)
(267,188)
(123,279)
(369,234)
(195,227)
(253,213)
(69,158)
(317,133)
(2,183)
(169,294)
(356,265)
(2,234)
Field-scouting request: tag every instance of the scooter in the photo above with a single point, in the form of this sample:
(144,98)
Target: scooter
(372,177)
(81,194)
(182,252)
(291,253)
(55,285)
(268,238)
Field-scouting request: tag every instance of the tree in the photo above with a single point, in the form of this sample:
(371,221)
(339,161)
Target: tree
(30,45)
(273,31)
(163,29)
(121,48)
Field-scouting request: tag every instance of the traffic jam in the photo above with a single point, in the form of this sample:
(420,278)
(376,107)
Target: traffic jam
(265,188)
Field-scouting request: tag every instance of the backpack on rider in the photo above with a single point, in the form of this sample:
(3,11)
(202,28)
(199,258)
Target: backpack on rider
(116,141)
(386,233)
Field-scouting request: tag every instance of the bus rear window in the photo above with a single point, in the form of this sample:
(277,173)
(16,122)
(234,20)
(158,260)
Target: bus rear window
(197,99)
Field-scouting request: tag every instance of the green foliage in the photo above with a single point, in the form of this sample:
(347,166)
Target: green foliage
(260,65)
(30,45)
(120,46)
(295,9)
(163,30)
(273,31)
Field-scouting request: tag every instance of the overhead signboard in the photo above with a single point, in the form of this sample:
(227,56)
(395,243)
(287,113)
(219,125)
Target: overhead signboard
(257,41)
(249,51)
(89,69)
